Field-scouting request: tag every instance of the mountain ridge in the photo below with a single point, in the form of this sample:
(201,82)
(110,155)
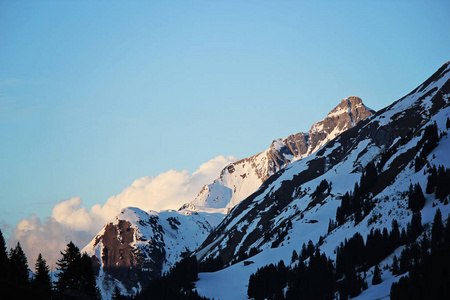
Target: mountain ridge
(136,240)
(299,202)
(240,179)
(301,198)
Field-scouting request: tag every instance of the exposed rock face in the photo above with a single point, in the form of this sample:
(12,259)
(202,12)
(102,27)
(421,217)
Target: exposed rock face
(117,252)
(139,245)
(346,115)
(343,117)
(242,178)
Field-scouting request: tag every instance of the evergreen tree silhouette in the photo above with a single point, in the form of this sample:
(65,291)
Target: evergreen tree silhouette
(431,181)
(41,283)
(437,230)
(416,199)
(395,235)
(447,230)
(76,279)
(18,267)
(376,276)
(416,227)
(4,262)
(395,269)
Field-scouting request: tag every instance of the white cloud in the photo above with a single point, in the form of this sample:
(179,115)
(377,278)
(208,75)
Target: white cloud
(71,221)
(48,238)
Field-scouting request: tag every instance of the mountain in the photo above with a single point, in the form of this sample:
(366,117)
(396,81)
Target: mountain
(359,182)
(139,245)
(348,180)
(240,179)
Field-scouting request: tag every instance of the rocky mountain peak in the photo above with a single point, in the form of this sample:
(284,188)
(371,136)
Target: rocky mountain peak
(349,112)
(242,178)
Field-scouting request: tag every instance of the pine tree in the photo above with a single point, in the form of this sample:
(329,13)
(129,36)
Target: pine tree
(395,234)
(447,230)
(376,276)
(67,266)
(76,277)
(42,281)
(442,180)
(4,268)
(331,226)
(88,276)
(424,245)
(416,227)
(431,181)
(294,256)
(429,140)
(403,237)
(416,199)
(437,230)
(117,295)
(395,269)
(18,267)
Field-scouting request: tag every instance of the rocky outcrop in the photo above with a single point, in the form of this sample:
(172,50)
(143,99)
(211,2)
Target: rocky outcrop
(139,245)
(242,178)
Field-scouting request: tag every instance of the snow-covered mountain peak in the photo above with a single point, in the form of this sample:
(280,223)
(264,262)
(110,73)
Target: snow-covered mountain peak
(240,179)
(133,215)
(137,244)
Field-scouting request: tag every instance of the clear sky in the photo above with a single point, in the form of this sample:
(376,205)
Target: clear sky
(96,94)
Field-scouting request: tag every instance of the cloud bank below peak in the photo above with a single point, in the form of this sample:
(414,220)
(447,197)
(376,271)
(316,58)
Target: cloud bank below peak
(70,220)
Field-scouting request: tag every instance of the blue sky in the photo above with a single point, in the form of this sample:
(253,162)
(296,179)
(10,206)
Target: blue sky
(95,94)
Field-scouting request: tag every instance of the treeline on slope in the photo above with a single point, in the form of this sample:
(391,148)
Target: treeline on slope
(438,183)
(314,276)
(428,265)
(355,257)
(76,278)
(303,281)
(427,143)
(359,202)
(177,284)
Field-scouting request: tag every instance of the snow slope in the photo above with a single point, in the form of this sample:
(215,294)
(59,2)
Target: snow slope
(284,213)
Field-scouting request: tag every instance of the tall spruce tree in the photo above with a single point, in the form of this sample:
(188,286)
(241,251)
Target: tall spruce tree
(67,266)
(4,269)
(431,180)
(41,283)
(437,230)
(376,276)
(88,276)
(395,234)
(442,180)
(76,279)
(395,269)
(18,267)
(447,230)
(416,199)
(416,228)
